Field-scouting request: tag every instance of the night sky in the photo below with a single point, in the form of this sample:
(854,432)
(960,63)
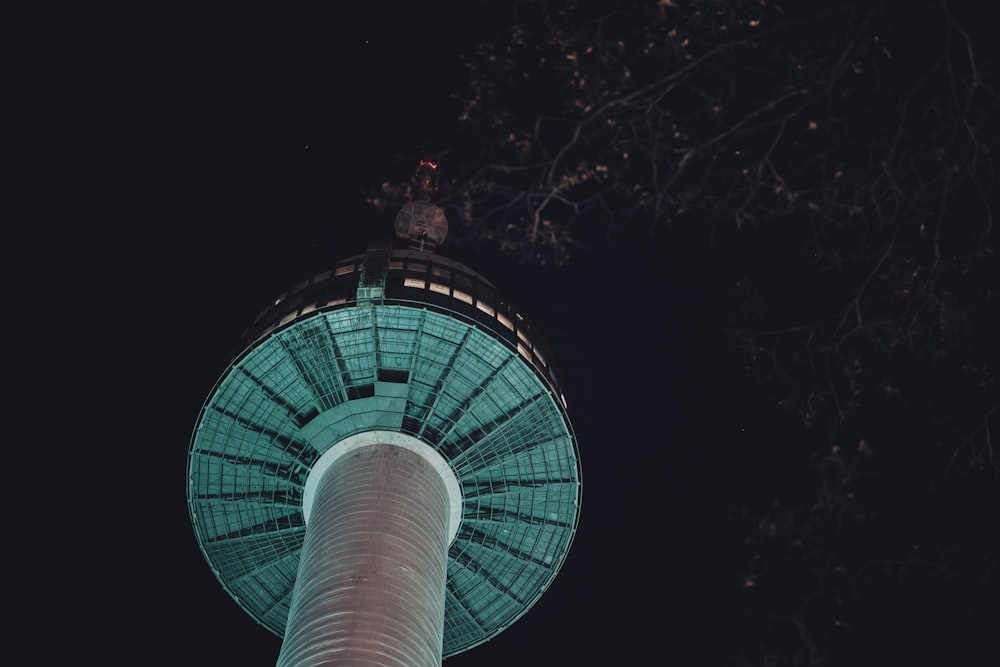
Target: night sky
(181,166)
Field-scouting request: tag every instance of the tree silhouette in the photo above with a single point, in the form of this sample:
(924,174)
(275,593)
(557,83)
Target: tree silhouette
(847,147)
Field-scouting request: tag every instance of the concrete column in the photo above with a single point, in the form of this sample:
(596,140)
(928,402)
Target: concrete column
(370,588)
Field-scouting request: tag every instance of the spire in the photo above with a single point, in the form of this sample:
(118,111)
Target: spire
(420,222)
(427,180)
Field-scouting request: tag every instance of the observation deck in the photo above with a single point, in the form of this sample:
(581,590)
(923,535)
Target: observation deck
(407,341)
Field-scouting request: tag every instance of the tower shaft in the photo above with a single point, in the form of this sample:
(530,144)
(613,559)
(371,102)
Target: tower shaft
(370,587)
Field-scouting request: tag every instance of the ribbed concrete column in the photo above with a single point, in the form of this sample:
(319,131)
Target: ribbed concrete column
(370,588)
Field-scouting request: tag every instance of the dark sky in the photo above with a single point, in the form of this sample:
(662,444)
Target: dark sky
(178,167)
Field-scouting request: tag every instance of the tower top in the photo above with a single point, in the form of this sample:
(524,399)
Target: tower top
(421,222)
(406,349)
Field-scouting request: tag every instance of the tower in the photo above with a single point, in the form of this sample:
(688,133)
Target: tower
(386,473)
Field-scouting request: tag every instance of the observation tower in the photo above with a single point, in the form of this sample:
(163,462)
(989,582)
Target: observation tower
(386,474)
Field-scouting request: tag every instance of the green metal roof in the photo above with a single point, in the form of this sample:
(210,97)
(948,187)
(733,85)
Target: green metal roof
(419,368)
